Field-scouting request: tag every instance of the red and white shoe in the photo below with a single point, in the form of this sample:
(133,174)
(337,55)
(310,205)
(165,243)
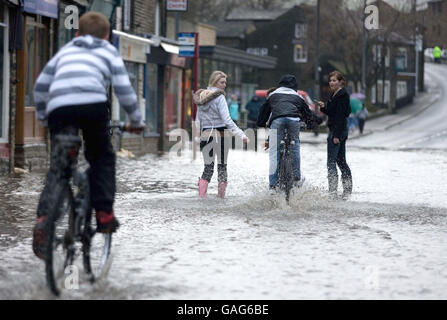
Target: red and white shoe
(106,222)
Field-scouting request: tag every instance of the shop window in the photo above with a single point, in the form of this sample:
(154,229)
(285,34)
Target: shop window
(36,47)
(173,96)
(151,98)
(237,74)
(205,71)
(36,56)
(401,89)
(248,75)
(377,55)
(378,92)
(132,71)
(402,54)
(2,76)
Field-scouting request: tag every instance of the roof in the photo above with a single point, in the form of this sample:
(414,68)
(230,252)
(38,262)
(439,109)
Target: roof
(248,14)
(231,29)
(397,38)
(237,56)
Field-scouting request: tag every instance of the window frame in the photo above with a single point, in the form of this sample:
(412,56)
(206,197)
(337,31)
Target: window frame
(302,58)
(402,51)
(300,30)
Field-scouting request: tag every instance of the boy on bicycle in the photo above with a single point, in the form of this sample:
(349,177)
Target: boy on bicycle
(284,109)
(72,91)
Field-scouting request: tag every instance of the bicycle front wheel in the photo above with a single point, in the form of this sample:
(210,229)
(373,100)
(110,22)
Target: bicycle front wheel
(96,250)
(59,251)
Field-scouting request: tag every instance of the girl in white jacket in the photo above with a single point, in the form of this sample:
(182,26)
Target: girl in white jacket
(214,120)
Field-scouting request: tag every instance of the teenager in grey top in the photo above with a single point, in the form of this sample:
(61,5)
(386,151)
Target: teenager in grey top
(214,120)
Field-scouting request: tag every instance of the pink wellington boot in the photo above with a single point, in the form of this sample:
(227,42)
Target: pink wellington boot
(221,189)
(203,186)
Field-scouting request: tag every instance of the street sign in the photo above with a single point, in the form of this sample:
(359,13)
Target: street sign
(177,5)
(186,43)
(419,43)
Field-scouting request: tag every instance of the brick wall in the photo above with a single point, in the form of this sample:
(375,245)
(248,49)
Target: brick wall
(31,157)
(4,166)
(137,144)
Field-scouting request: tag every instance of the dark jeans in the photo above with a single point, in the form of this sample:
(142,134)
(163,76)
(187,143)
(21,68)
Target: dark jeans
(214,145)
(336,155)
(361,124)
(93,120)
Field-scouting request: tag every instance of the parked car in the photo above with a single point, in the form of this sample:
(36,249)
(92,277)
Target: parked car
(428,55)
(444,56)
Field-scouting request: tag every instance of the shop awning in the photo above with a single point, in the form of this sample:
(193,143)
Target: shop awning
(152,42)
(47,8)
(171,48)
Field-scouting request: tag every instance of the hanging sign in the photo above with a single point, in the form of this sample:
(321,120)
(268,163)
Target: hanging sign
(177,5)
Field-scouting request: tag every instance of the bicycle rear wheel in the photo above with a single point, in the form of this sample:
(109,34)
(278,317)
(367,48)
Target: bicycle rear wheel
(59,251)
(285,174)
(287,177)
(96,250)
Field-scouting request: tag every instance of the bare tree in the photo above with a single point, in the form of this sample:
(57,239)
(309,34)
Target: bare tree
(343,27)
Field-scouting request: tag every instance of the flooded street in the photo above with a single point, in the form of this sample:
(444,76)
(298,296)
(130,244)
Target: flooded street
(387,242)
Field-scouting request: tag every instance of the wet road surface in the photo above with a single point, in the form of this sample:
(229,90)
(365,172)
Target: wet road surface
(387,242)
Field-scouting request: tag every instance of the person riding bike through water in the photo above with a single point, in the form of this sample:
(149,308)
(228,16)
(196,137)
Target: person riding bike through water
(72,91)
(285,109)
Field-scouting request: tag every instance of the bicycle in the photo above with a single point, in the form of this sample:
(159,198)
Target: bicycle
(285,175)
(69,196)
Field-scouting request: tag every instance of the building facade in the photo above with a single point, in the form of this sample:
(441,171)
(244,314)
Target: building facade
(4,87)
(32,31)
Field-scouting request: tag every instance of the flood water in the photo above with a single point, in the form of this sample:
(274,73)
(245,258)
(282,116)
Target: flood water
(388,241)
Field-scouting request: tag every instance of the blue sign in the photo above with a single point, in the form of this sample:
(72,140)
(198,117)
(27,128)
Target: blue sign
(186,43)
(47,8)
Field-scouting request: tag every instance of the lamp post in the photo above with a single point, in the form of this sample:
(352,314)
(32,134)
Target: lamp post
(364,35)
(317,53)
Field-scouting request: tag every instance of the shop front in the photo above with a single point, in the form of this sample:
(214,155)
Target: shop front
(174,95)
(133,50)
(4,89)
(39,18)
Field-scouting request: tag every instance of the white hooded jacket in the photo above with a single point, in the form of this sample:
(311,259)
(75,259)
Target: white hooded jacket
(212,111)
